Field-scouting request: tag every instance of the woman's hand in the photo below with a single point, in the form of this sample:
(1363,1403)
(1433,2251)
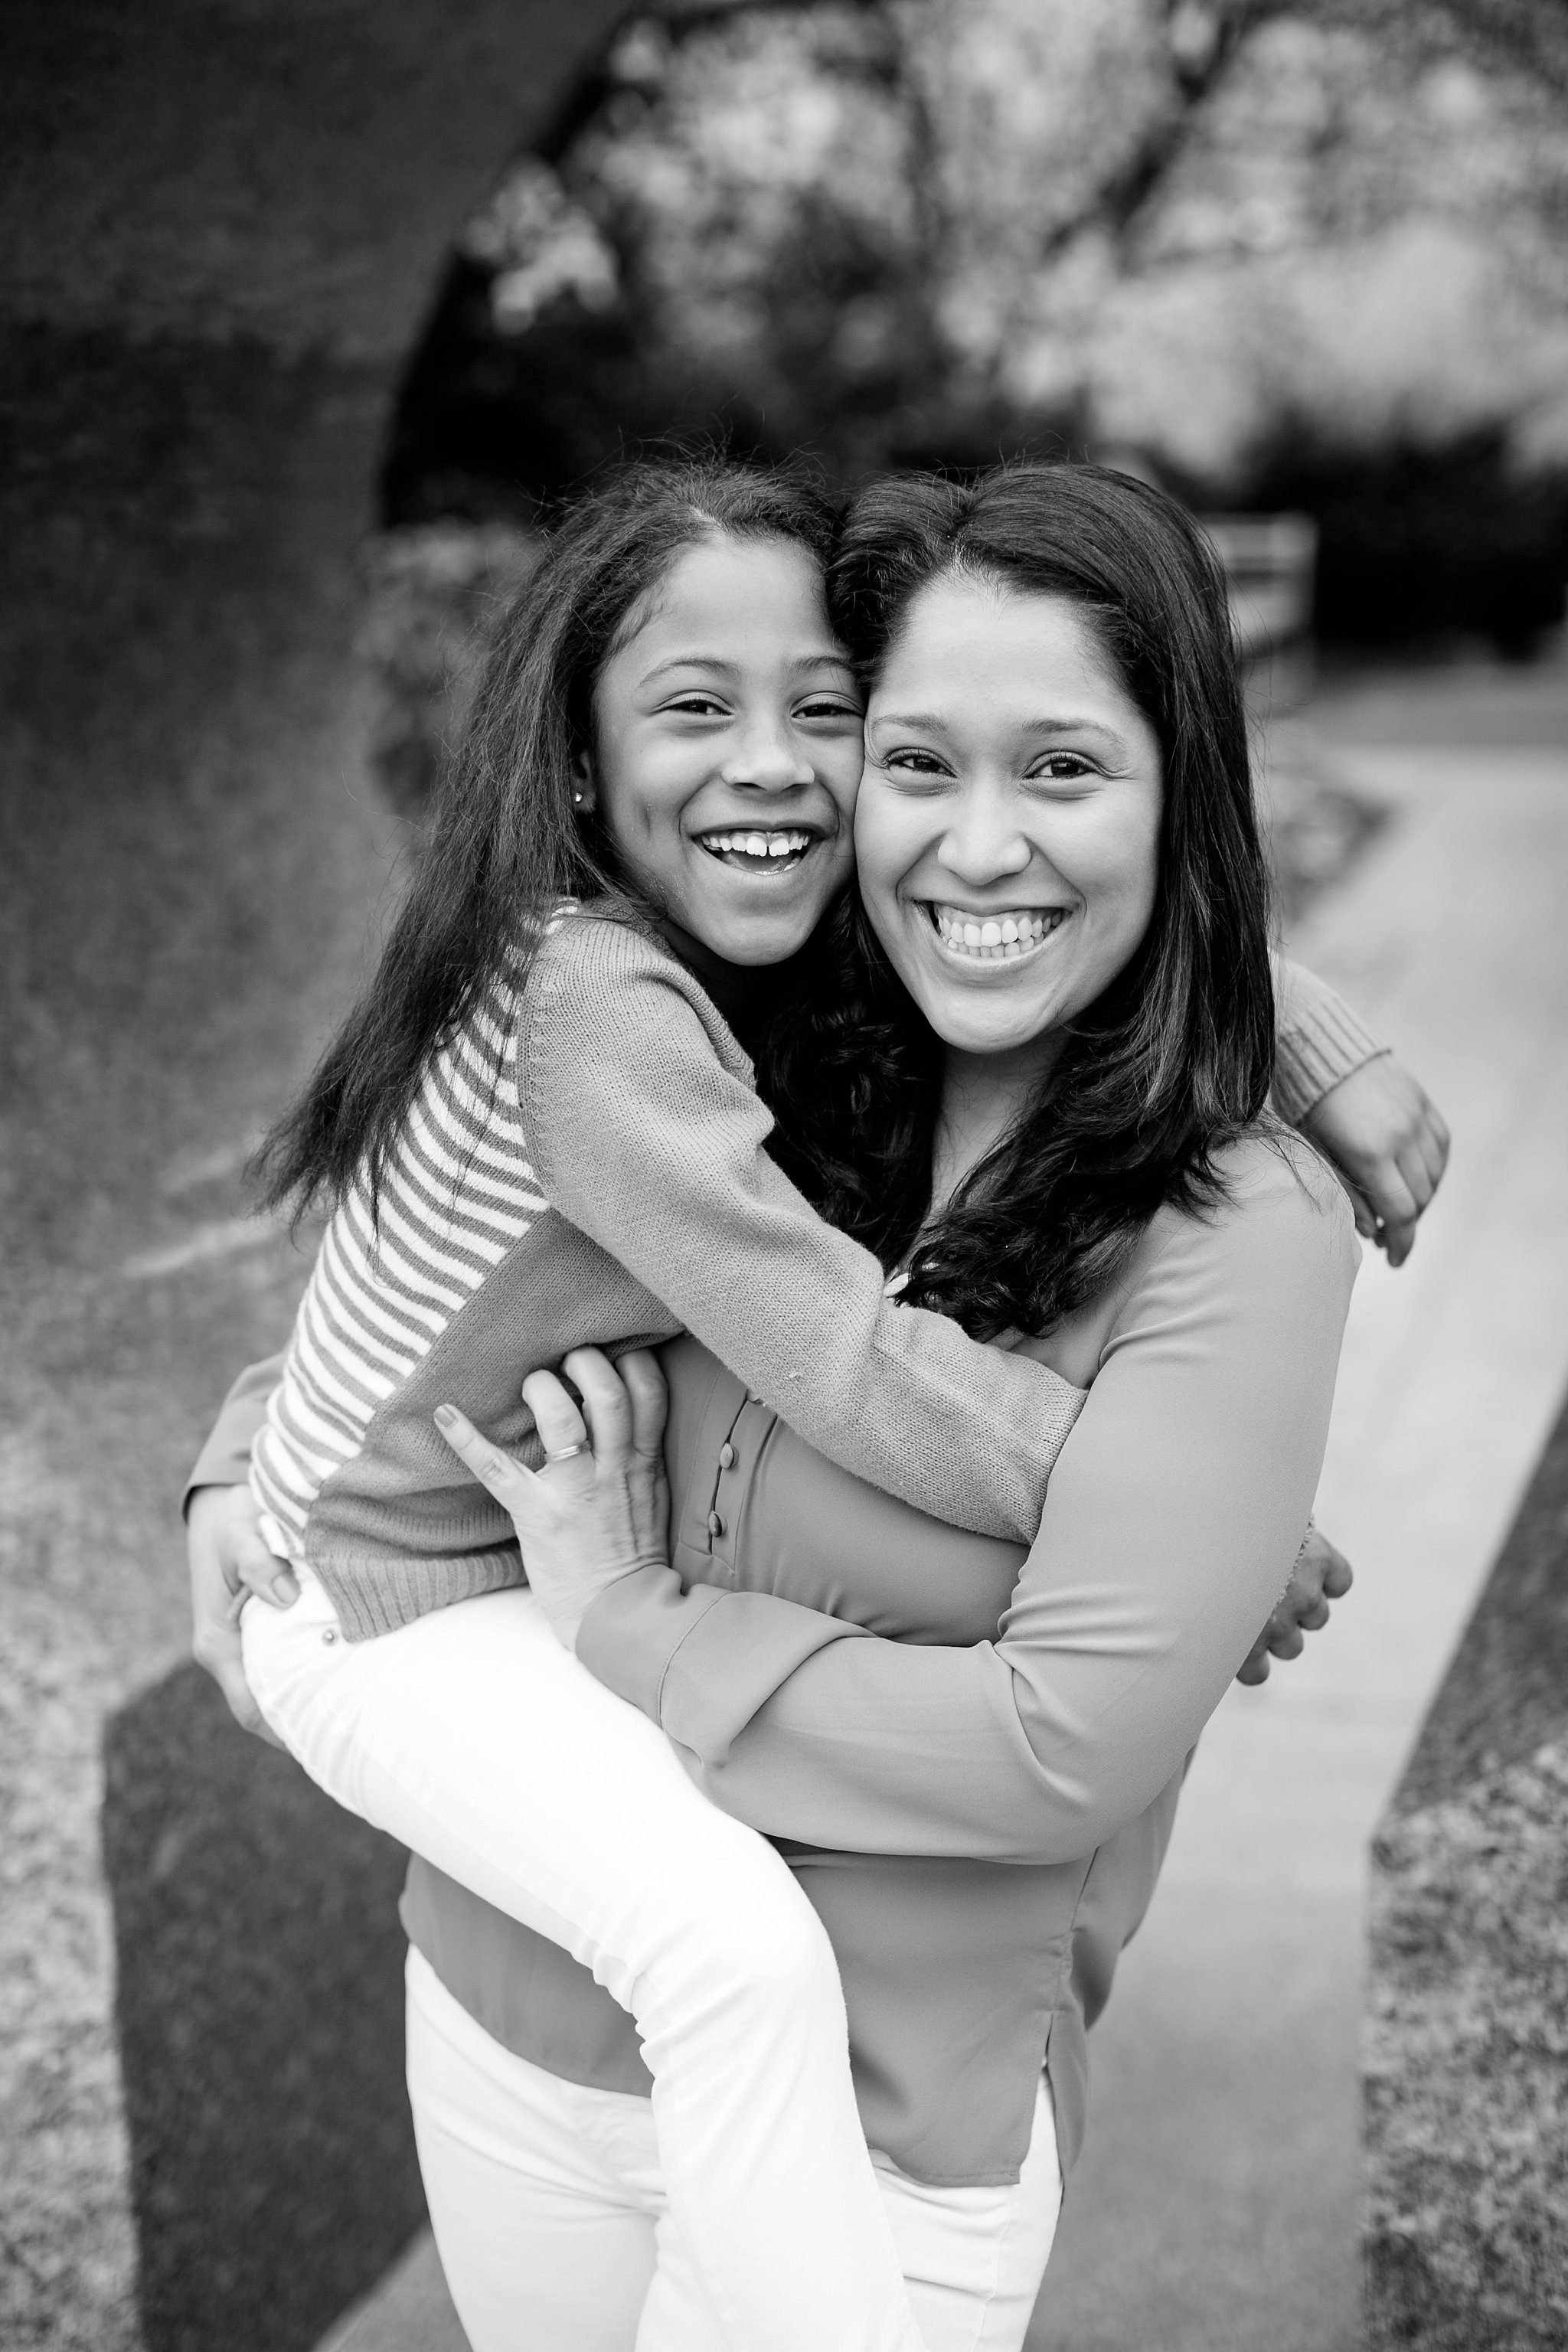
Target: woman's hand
(1388,1140)
(1322,1574)
(229,1563)
(600,1507)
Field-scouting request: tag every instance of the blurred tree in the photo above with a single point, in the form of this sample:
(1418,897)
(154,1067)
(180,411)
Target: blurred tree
(1307,254)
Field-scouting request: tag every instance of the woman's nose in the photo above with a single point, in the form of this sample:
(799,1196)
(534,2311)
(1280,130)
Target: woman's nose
(983,844)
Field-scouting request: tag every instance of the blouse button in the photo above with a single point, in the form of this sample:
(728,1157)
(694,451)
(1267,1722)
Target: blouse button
(715,1523)
(726,1457)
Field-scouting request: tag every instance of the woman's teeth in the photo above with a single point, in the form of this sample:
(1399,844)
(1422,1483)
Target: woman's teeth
(772,848)
(995,939)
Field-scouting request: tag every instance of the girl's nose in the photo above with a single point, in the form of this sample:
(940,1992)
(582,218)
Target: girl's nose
(770,758)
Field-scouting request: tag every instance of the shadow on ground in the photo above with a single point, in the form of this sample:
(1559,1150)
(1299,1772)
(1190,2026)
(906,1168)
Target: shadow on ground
(260,2013)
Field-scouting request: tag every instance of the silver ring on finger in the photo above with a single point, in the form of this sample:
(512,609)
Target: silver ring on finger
(568,1453)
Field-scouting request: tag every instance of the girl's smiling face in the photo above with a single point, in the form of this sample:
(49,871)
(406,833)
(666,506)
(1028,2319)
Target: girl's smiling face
(728,749)
(1008,825)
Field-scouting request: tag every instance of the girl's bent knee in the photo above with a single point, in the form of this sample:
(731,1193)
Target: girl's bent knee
(776,1955)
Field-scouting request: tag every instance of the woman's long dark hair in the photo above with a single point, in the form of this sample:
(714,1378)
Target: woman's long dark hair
(506,843)
(1175,1059)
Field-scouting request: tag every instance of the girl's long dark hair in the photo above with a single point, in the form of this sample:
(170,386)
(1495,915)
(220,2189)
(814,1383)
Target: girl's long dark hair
(506,843)
(1175,1059)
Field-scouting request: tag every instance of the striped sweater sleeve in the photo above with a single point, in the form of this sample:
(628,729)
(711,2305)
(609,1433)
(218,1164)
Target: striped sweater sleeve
(649,1135)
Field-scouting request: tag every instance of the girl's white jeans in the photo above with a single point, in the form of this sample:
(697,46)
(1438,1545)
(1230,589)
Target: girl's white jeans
(474,1738)
(555,2233)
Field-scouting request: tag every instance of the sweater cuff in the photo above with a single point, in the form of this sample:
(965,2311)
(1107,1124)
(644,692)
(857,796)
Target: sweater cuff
(1320,1042)
(702,1663)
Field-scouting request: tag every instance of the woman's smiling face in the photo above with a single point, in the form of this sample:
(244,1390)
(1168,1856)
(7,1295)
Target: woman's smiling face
(1008,825)
(728,749)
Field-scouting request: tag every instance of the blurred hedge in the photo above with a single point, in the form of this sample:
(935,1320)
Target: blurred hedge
(1309,256)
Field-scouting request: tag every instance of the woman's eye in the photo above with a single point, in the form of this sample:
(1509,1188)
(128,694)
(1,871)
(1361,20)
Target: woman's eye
(911,761)
(1062,767)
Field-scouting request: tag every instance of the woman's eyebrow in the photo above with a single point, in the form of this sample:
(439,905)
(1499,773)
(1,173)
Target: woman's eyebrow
(922,721)
(1084,726)
(925,723)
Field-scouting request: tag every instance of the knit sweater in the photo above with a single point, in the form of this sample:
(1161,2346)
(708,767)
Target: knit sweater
(585,1165)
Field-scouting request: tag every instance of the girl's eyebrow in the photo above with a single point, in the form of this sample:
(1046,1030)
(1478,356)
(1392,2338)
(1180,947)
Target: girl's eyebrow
(732,669)
(689,661)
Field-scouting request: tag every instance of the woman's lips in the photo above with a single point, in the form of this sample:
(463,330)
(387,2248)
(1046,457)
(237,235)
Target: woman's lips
(1006,936)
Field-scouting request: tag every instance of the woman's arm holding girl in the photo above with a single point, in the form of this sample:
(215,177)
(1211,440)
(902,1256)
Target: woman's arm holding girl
(1172,1521)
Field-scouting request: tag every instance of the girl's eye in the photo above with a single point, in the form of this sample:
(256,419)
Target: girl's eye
(697,706)
(831,706)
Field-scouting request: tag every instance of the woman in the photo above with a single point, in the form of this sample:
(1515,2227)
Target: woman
(1061,874)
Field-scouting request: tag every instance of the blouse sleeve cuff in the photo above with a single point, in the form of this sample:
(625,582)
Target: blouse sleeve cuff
(225,1458)
(702,1663)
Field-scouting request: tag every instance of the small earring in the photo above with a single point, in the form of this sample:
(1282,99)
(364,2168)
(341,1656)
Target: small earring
(576,800)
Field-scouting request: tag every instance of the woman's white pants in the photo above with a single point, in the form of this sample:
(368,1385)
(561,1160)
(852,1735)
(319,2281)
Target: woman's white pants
(474,1738)
(555,2233)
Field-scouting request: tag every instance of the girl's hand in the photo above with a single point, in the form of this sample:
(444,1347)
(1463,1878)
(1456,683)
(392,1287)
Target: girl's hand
(600,1507)
(1322,1574)
(229,1563)
(1388,1140)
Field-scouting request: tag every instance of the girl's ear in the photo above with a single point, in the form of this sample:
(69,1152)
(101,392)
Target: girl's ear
(584,795)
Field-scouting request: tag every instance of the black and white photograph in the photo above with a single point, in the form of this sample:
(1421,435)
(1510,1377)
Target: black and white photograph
(784,1159)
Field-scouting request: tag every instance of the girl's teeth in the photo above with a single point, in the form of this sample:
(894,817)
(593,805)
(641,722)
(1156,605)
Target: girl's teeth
(995,939)
(759,844)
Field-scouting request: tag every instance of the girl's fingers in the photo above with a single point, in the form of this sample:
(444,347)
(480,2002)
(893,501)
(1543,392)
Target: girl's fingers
(1418,1177)
(1366,1221)
(605,1403)
(1438,1141)
(649,1397)
(506,1480)
(251,1567)
(554,1411)
(1391,1196)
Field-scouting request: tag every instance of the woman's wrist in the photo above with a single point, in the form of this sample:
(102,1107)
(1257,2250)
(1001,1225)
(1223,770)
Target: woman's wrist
(568,1609)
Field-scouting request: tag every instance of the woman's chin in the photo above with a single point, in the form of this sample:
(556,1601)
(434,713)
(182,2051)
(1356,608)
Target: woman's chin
(989,1011)
(993,1038)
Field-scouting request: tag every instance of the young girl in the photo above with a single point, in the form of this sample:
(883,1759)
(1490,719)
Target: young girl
(539,1133)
